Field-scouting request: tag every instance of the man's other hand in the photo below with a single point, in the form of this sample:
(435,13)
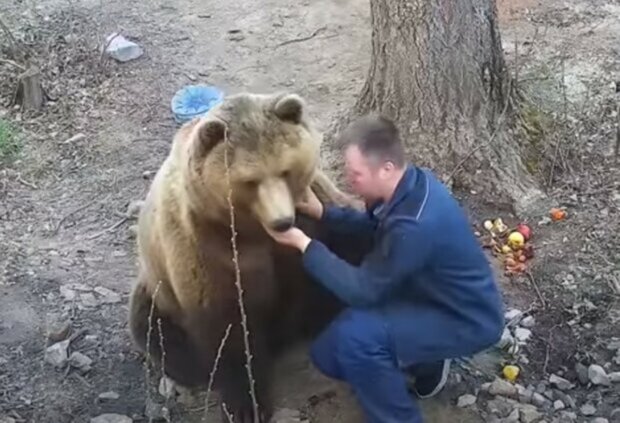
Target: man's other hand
(293,237)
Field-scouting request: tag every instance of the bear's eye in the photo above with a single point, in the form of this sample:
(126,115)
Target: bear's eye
(285,174)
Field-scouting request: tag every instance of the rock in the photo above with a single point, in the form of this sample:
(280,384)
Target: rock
(133,231)
(503,388)
(522,334)
(539,400)
(599,420)
(133,210)
(512,314)
(528,322)
(466,400)
(558,405)
(166,387)
(582,373)
(566,399)
(560,383)
(121,49)
(485,387)
(111,418)
(286,415)
(614,377)
(109,395)
(513,417)
(588,409)
(597,375)
(7,419)
(67,293)
(501,406)
(57,354)
(529,413)
(506,340)
(526,396)
(108,296)
(155,411)
(80,361)
(58,330)
(568,417)
(88,299)
(614,416)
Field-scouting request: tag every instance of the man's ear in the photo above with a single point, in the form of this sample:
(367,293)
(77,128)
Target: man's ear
(208,133)
(289,107)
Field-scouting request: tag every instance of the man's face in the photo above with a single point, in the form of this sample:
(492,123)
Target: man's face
(363,176)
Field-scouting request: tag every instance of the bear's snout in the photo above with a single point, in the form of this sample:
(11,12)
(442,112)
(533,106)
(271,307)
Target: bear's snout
(282,225)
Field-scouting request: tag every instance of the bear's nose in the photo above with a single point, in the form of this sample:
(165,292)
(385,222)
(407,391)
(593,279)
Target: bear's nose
(282,225)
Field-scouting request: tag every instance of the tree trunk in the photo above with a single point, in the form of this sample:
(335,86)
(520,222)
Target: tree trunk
(438,70)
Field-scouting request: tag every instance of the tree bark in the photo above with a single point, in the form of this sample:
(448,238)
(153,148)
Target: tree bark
(438,70)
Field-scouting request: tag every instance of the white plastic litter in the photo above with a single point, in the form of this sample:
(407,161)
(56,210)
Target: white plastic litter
(121,49)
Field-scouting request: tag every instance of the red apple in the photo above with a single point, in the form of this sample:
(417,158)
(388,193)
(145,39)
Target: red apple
(524,230)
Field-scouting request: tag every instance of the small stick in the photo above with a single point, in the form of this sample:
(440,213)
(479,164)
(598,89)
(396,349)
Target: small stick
(299,40)
(535,285)
(109,229)
(79,209)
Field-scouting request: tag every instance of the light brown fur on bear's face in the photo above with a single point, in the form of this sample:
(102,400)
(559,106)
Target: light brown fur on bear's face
(273,153)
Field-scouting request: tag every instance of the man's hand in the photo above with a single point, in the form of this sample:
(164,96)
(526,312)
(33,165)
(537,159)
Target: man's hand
(293,237)
(311,205)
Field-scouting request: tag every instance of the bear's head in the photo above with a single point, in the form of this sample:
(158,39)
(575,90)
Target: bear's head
(270,149)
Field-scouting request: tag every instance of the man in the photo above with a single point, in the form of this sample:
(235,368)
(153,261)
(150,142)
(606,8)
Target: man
(424,294)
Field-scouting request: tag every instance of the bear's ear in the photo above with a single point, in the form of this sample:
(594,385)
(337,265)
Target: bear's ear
(209,133)
(290,107)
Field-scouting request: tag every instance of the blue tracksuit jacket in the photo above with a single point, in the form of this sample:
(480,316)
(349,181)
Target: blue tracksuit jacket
(426,273)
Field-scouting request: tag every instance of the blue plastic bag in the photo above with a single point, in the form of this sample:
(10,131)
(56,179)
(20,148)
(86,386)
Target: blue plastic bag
(194,100)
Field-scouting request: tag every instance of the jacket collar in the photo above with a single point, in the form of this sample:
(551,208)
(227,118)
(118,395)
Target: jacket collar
(405,186)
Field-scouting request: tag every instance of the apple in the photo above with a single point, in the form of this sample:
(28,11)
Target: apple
(524,230)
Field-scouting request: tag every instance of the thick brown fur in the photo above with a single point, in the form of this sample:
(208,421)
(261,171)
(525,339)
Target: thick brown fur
(184,245)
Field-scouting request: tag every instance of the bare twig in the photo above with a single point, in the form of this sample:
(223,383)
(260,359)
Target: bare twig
(229,416)
(163,365)
(108,229)
(148,343)
(65,217)
(302,39)
(13,63)
(8,33)
(24,182)
(535,285)
(238,281)
(214,369)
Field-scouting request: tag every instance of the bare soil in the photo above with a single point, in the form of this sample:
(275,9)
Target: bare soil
(65,230)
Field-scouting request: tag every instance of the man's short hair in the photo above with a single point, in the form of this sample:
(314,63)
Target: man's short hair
(377,137)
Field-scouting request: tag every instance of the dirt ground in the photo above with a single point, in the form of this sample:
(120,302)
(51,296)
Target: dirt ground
(66,245)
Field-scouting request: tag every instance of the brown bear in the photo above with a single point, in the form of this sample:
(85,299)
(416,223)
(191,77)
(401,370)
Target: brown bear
(269,150)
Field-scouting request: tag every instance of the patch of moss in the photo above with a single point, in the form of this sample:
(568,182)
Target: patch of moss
(10,145)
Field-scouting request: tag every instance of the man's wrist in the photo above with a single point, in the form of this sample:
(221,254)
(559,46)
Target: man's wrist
(303,243)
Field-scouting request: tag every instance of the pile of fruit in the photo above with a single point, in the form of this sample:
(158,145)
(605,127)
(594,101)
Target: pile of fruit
(510,244)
